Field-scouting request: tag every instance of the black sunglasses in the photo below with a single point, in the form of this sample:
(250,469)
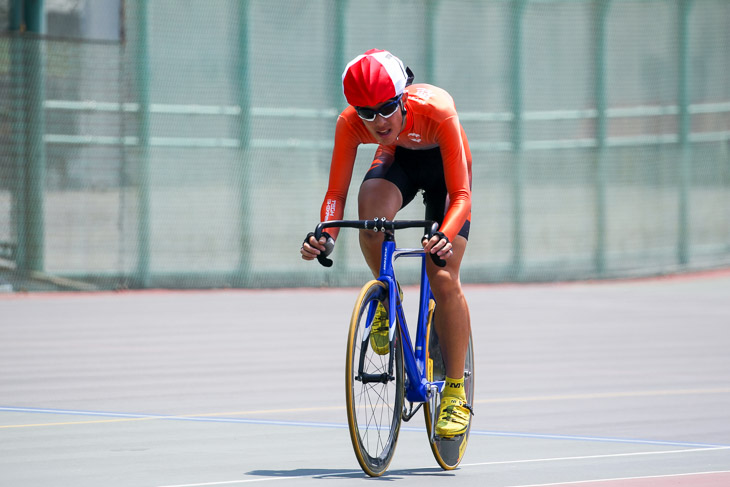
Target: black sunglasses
(386,111)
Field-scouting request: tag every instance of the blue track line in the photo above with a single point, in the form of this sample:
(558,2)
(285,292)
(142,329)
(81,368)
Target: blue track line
(311,424)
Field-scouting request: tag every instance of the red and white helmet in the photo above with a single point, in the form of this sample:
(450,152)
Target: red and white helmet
(374,77)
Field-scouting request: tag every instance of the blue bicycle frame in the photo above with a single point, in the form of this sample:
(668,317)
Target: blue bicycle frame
(418,389)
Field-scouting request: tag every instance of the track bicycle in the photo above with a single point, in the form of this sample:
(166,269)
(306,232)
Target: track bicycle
(378,386)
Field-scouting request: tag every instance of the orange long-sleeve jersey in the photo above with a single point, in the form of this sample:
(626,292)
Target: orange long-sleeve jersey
(431,121)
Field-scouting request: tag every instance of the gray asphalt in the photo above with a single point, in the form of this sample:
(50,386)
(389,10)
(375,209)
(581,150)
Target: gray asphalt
(574,382)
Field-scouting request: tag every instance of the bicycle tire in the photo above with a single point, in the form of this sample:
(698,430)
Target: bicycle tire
(374,409)
(448,452)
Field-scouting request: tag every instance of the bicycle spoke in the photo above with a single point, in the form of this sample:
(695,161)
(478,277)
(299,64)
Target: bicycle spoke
(373,405)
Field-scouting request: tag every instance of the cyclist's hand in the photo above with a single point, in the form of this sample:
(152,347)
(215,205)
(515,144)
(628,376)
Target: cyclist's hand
(311,248)
(438,244)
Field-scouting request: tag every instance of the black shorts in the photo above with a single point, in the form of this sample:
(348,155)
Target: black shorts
(414,170)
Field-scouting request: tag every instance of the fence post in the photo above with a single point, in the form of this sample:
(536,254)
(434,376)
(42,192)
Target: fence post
(602,7)
(338,62)
(143,136)
(244,274)
(338,54)
(518,9)
(15,15)
(685,127)
(18,210)
(28,70)
(430,42)
(35,146)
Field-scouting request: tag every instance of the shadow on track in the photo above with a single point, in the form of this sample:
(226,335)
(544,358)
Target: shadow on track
(324,473)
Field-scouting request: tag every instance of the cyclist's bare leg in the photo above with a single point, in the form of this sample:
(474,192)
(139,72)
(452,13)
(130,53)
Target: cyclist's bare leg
(381,198)
(451,320)
(378,198)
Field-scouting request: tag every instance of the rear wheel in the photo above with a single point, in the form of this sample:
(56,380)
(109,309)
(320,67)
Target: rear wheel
(374,386)
(447,451)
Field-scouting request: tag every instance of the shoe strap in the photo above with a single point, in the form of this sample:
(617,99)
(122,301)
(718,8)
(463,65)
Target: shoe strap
(465,405)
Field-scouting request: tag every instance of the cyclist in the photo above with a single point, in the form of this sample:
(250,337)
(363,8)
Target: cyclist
(421,146)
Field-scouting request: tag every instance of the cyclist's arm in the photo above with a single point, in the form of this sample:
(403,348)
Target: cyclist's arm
(343,160)
(457,173)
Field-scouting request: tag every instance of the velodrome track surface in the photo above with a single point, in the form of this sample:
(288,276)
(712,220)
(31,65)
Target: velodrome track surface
(615,384)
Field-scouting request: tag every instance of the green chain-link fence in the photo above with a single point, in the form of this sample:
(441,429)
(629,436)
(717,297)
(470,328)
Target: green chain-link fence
(191,148)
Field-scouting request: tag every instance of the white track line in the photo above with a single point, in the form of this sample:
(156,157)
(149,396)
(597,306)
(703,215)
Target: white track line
(578,482)
(591,457)
(560,459)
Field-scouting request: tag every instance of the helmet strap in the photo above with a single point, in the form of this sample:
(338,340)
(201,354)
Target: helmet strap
(409,82)
(410,76)
(403,112)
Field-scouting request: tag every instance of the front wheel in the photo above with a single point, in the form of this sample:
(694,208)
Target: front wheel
(374,386)
(447,451)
